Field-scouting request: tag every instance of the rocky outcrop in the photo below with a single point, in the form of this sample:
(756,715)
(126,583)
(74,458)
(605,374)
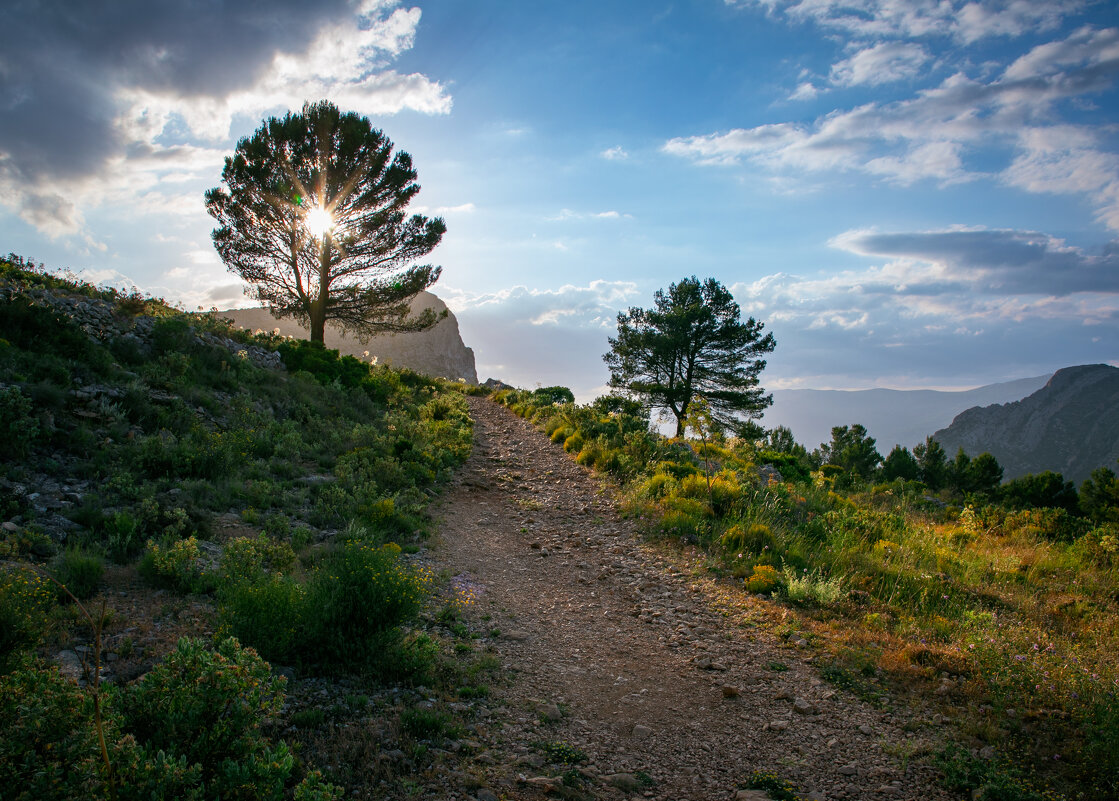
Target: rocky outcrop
(1069,426)
(103,320)
(437,352)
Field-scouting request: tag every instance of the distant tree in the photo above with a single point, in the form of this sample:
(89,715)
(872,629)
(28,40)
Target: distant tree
(932,463)
(312,213)
(900,464)
(692,342)
(553,395)
(748,430)
(984,474)
(780,439)
(959,478)
(853,450)
(1099,495)
(1046,490)
(619,404)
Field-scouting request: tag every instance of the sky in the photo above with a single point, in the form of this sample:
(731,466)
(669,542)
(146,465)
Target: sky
(907,193)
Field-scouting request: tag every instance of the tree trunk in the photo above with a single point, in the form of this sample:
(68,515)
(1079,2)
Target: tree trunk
(318,321)
(318,305)
(680,425)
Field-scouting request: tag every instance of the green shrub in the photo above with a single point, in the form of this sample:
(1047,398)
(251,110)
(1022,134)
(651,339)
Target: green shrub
(549,396)
(33,327)
(48,746)
(301,537)
(18,426)
(752,538)
(356,600)
(574,443)
(776,788)
(209,705)
(123,538)
(176,566)
(266,612)
(590,455)
(656,485)
(677,470)
(25,599)
(247,558)
(426,724)
(809,587)
(1049,524)
(79,572)
(763,579)
(684,519)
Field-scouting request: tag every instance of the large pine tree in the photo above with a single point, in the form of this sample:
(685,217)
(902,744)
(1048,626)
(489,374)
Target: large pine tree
(313,213)
(692,342)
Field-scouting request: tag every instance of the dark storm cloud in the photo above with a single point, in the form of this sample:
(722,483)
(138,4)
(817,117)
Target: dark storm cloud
(62,62)
(997,262)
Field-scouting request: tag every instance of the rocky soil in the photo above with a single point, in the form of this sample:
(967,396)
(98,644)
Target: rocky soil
(616,650)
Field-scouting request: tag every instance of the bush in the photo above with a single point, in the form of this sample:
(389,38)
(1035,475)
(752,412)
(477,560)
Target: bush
(247,558)
(176,566)
(684,519)
(79,572)
(18,427)
(266,612)
(48,745)
(38,329)
(811,587)
(123,537)
(209,706)
(25,598)
(355,602)
(548,396)
(749,539)
(764,578)
(1049,524)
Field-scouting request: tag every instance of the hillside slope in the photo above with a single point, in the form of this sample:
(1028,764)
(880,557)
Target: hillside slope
(1069,426)
(439,352)
(893,417)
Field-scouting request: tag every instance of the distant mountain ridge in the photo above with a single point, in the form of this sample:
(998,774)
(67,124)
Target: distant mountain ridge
(891,416)
(1069,426)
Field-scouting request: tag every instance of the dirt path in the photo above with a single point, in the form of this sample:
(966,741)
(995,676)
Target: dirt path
(614,651)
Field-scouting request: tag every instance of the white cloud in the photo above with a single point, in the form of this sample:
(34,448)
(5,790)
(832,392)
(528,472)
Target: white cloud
(616,153)
(881,63)
(531,337)
(439,211)
(930,134)
(202,256)
(961,305)
(804,91)
(568,214)
(347,62)
(590,305)
(966,21)
(124,160)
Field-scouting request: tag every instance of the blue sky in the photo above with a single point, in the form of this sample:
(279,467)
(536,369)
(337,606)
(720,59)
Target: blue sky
(907,193)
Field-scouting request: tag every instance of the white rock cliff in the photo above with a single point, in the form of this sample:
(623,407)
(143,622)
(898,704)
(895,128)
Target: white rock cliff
(437,352)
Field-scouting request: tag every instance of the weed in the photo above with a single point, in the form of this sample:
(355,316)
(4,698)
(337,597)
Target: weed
(562,753)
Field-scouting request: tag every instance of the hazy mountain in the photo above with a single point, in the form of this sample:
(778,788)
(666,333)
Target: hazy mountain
(893,417)
(438,352)
(1069,426)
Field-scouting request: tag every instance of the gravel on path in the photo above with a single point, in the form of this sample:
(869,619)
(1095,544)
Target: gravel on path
(612,650)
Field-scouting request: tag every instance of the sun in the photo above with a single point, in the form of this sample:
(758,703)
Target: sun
(318,221)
